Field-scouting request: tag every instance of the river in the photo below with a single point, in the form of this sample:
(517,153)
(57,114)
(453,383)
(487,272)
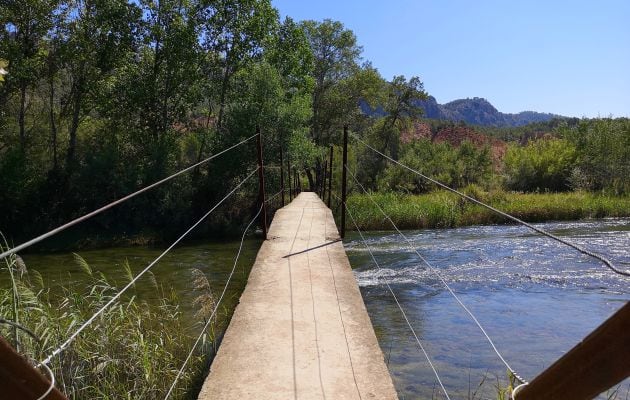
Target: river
(536,298)
(173,271)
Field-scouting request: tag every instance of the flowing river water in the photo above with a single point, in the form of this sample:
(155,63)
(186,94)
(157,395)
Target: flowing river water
(536,298)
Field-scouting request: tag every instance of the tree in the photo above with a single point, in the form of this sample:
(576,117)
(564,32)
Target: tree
(603,154)
(402,102)
(25,24)
(341,86)
(99,35)
(432,159)
(457,167)
(336,58)
(543,164)
(236,32)
(3,65)
(290,53)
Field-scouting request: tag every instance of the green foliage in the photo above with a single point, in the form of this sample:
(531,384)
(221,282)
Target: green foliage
(541,165)
(336,57)
(603,154)
(440,209)
(133,350)
(236,32)
(104,97)
(303,151)
(3,69)
(121,94)
(524,133)
(456,167)
(291,55)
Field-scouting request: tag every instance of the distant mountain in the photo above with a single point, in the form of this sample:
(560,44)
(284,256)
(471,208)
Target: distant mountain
(479,111)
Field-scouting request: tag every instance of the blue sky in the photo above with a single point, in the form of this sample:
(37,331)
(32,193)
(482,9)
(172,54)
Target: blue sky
(566,57)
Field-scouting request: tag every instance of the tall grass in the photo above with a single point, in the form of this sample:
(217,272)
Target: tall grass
(132,351)
(441,209)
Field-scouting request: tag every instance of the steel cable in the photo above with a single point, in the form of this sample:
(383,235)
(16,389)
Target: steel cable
(216,307)
(115,203)
(426,355)
(577,247)
(278,193)
(133,281)
(446,285)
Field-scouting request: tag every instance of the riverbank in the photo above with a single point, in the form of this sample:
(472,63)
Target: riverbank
(154,326)
(443,209)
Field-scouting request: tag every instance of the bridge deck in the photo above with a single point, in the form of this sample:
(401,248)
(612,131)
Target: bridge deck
(301,329)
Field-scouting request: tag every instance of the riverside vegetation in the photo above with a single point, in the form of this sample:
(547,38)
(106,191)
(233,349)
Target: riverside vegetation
(100,98)
(132,351)
(575,170)
(442,209)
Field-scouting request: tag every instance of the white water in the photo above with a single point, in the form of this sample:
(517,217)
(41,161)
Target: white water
(537,298)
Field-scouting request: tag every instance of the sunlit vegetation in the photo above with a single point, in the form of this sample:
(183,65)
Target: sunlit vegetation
(441,209)
(133,350)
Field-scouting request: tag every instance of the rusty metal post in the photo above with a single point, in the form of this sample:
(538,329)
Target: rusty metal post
(20,380)
(281,176)
(344,177)
(261,183)
(322,191)
(598,363)
(289,178)
(330,174)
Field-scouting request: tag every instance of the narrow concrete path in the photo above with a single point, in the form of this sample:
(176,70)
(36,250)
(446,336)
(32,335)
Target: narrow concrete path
(301,330)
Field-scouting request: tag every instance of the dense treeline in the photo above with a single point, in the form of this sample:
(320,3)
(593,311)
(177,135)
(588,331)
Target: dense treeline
(583,155)
(103,97)
(592,155)
(99,98)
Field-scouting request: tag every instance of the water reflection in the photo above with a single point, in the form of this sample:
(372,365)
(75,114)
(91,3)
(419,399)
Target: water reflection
(173,271)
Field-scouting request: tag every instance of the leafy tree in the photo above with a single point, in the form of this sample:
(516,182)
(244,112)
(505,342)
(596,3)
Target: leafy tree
(336,58)
(543,164)
(290,53)
(603,154)
(457,167)
(341,85)
(99,34)
(432,159)
(3,65)
(397,102)
(401,103)
(25,24)
(236,32)
(472,165)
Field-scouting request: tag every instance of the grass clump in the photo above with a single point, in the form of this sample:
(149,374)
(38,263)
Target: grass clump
(442,209)
(132,351)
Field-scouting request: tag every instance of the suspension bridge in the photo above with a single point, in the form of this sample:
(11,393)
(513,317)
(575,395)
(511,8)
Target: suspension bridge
(301,329)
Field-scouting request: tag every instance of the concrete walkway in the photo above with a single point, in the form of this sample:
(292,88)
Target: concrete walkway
(301,330)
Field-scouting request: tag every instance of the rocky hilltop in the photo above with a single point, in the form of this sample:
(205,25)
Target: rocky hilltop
(479,111)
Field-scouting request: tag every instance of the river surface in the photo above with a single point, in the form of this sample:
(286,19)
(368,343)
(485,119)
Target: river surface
(536,298)
(173,271)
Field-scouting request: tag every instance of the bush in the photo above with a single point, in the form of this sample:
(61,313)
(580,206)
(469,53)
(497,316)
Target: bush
(456,167)
(133,350)
(603,154)
(541,165)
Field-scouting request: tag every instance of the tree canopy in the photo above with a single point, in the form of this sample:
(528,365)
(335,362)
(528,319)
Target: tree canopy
(100,97)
